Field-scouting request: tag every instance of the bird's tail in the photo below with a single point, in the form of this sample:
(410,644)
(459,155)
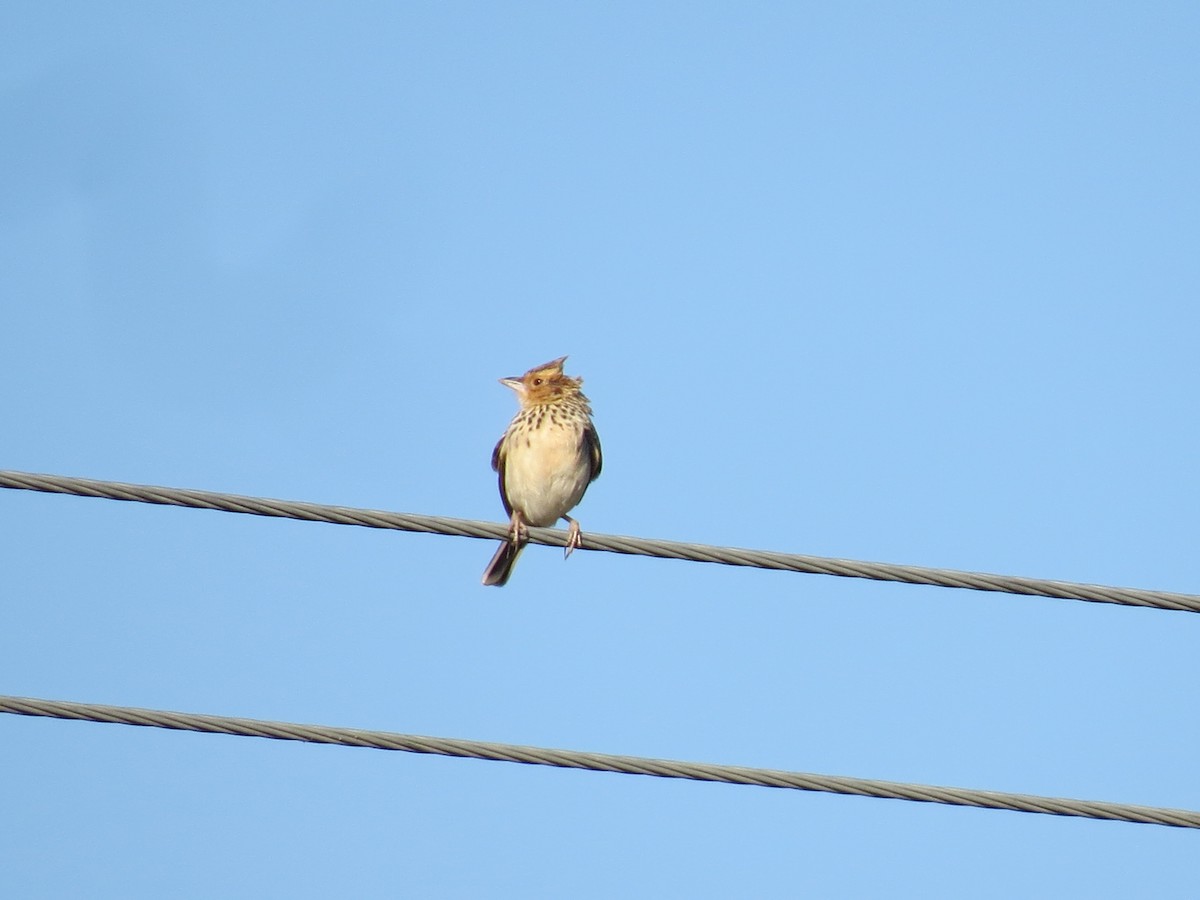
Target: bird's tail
(500,568)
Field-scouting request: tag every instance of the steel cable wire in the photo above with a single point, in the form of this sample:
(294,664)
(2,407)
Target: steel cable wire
(599,762)
(764,559)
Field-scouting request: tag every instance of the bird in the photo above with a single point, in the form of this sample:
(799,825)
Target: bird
(545,460)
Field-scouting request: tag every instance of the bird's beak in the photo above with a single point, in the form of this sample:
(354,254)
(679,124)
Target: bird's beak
(515,383)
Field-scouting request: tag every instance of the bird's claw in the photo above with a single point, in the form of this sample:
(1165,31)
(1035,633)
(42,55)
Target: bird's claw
(574,538)
(519,532)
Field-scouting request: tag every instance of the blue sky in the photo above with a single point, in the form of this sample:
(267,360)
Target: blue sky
(903,282)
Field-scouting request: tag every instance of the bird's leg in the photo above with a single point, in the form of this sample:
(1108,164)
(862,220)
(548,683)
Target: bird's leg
(519,534)
(574,538)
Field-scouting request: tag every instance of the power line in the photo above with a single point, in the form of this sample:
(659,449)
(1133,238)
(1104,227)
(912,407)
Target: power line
(763,559)
(598,762)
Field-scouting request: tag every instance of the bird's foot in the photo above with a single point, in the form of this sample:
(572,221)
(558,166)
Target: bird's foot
(574,537)
(518,532)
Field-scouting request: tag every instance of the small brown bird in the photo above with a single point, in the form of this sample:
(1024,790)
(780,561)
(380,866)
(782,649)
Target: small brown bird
(546,459)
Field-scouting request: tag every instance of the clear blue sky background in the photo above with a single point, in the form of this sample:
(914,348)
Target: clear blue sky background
(904,282)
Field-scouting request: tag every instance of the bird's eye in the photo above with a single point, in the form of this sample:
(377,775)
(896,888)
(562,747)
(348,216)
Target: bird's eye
(537,382)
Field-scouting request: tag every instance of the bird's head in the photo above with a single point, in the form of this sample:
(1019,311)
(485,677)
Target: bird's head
(544,384)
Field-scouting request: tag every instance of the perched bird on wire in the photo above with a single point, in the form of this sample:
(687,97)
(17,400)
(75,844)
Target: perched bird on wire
(546,459)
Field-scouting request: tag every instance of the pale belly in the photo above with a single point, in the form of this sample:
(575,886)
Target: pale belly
(546,479)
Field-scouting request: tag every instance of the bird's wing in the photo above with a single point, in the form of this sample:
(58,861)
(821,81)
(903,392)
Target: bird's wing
(499,460)
(591,440)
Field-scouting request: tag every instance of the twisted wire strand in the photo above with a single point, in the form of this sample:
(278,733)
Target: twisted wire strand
(598,762)
(730,556)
